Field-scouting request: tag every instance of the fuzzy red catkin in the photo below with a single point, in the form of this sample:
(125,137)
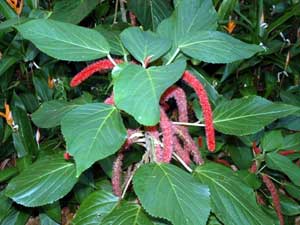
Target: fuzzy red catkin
(153,132)
(179,95)
(287,152)
(99,66)
(167,132)
(181,152)
(192,81)
(67,156)
(189,144)
(255,149)
(132,19)
(253,168)
(275,197)
(116,175)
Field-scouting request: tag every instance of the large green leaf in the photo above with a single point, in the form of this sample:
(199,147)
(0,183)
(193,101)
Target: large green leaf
(285,165)
(6,62)
(216,47)
(189,17)
(248,115)
(143,44)
(50,113)
(168,192)
(272,140)
(233,201)
(95,207)
(150,12)
(92,132)
(291,142)
(137,88)
(125,214)
(65,41)
(73,11)
(44,182)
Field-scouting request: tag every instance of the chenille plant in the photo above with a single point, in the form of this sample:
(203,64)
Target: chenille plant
(181,112)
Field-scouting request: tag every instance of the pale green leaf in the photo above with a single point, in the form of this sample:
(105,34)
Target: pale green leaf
(216,47)
(233,202)
(93,209)
(168,192)
(143,44)
(92,132)
(146,87)
(44,182)
(65,41)
(248,115)
(127,213)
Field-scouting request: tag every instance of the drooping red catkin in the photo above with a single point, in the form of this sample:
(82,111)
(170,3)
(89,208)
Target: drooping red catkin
(167,133)
(223,162)
(192,81)
(116,174)
(275,197)
(179,95)
(110,100)
(287,152)
(189,144)
(153,132)
(181,152)
(102,65)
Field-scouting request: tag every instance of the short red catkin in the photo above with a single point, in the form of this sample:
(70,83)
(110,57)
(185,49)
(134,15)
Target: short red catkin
(287,152)
(192,81)
(102,65)
(275,197)
(153,132)
(110,100)
(189,144)
(167,132)
(116,174)
(179,95)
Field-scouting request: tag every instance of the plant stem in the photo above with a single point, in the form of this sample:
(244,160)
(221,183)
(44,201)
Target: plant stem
(183,163)
(197,124)
(111,59)
(173,56)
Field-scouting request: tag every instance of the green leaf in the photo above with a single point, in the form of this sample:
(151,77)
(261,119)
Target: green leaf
(16,217)
(44,182)
(57,109)
(289,206)
(292,190)
(168,192)
(101,133)
(285,165)
(23,137)
(46,220)
(8,173)
(233,202)
(272,140)
(150,12)
(143,44)
(216,47)
(125,214)
(74,43)
(114,40)
(73,11)
(248,115)
(5,205)
(146,87)
(93,209)
(291,142)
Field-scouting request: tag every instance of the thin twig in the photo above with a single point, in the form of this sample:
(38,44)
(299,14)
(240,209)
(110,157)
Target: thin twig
(116,12)
(183,163)
(123,11)
(197,124)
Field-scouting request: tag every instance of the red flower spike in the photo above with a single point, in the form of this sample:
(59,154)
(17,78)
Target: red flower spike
(132,19)
(179,95)
(223,162)
(167,132)
(255,149)
(110,100)
(200,142)
(253,168)
(275,197)
(192,81)
(153,131)
(181,152)
(116,175)
(189,144)
(260,200)
(67,156)
(287,152)
(102,65)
